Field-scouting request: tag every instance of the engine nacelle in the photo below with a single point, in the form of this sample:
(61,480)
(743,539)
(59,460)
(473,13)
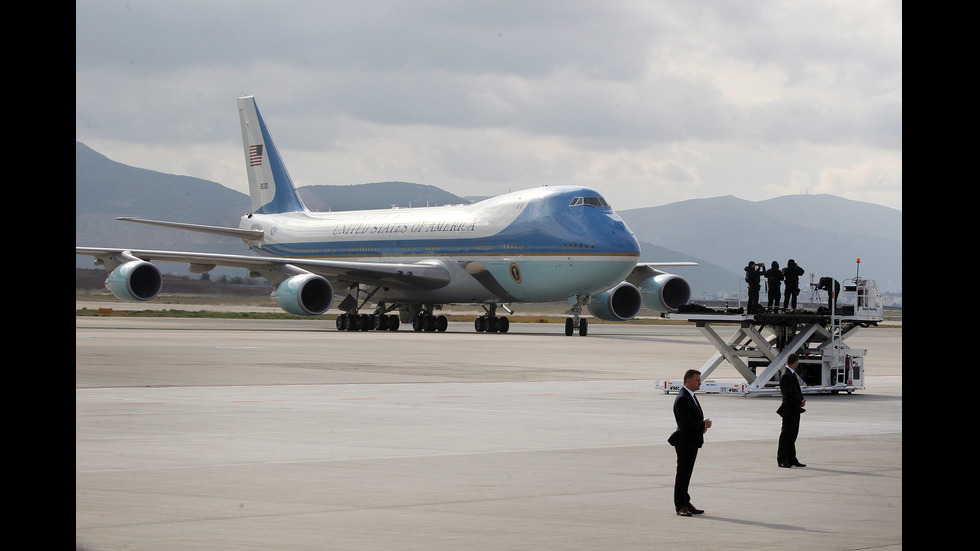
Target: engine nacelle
(135,280)
(665,292)
(620,303)
(305,295)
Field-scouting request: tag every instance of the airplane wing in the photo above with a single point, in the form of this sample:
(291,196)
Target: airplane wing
(644,270)
(674,264)
(216,230)
(409,276)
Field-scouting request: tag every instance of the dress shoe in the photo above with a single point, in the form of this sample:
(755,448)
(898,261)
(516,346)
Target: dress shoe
(785,465)
(683,512)
(798,464)
(694,510)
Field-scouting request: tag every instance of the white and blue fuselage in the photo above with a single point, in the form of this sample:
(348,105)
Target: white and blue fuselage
(539,245)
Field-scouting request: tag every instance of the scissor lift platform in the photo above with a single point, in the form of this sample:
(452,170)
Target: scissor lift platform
(762,342)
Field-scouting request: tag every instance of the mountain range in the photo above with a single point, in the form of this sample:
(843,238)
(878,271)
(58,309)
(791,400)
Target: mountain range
(825,234)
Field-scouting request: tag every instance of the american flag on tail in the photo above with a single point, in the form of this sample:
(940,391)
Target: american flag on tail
(255,155)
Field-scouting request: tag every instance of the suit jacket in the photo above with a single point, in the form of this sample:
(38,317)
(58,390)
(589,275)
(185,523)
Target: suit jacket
(690,421)
(789,387)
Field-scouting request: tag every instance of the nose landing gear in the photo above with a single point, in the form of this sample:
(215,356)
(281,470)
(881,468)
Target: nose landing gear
(576,321)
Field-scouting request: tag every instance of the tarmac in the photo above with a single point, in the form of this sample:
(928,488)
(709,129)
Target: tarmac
(264,434)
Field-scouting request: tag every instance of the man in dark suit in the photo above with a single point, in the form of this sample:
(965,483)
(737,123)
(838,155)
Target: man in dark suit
(689,436)
(790,386)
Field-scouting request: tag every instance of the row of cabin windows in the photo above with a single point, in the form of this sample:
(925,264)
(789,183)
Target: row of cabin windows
(431,247)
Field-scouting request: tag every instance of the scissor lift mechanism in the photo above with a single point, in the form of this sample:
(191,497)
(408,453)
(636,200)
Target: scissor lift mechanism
(827,364)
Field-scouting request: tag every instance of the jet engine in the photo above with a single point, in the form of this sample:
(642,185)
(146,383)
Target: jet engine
(620,303)
(305,295)
(134,280)
(665,292)
(660,293)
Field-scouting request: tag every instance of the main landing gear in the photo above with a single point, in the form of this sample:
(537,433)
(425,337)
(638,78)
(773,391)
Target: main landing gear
(427,321)
(380,320)
(367,322)
(423,319)
(490,323)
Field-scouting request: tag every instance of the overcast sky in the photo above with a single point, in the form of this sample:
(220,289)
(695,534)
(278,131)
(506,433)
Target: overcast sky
(647,101)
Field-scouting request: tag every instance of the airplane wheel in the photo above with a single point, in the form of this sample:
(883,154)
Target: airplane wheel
(417,324)
(393,322)
(492,325)
(442,323)
(364,323)
(503,325)
(480,324)
(569,327)
(380,322)
(430,323)
(350,322)
(340,321)
(583,327)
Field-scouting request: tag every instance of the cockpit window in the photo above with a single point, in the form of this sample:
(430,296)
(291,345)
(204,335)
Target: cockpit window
(589,201)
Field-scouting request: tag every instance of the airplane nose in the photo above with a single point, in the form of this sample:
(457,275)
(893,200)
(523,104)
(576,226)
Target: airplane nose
(623,238)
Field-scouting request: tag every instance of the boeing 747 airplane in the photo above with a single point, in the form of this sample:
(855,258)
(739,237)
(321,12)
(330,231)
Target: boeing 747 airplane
(547,244)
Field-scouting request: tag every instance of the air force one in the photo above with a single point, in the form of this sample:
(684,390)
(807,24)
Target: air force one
(403,265)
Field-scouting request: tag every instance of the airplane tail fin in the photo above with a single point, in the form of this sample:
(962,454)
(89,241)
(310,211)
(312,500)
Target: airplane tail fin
(269,184)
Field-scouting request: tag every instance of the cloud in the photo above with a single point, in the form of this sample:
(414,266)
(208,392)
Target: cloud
(649,102)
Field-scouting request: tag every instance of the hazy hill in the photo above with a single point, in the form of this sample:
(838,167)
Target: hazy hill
(105,189)
(825,234)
